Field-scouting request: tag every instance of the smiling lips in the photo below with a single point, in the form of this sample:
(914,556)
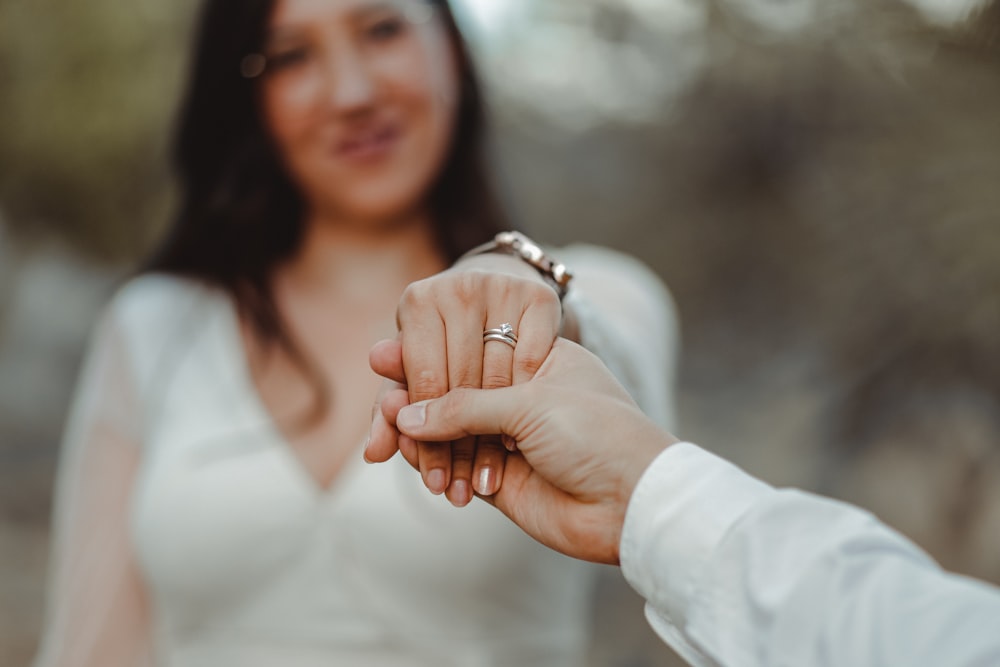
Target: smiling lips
(368,144)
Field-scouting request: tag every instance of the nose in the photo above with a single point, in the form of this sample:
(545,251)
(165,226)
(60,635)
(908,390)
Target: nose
(350,85)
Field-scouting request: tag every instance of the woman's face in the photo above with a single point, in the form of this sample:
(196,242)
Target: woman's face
(359,97)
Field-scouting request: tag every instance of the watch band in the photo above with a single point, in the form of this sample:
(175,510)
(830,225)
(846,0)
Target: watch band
(517,244)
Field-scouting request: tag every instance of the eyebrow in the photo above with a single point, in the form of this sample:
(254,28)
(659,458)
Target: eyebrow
(362,10)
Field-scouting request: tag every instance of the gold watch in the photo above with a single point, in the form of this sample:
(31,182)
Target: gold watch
(517,244)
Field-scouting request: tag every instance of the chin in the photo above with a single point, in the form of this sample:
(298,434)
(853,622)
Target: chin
(383,205)
(382,214)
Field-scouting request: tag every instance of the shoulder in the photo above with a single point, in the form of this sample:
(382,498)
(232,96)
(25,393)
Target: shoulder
(152,318)
(157,297)
(150,309)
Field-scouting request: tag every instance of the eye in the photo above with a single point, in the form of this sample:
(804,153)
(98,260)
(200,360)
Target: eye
(287,58)
(386,29)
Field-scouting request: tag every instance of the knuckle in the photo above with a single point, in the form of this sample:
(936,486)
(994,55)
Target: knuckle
(529,362)
(464,382)
(490,448)
(462,455)
(414,295)
(495,380)
(427,384)
(548,297)
(468,285)
(452,406)
(433,452)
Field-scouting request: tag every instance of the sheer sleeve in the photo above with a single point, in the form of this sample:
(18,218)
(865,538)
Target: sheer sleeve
(97,612)
(626,316)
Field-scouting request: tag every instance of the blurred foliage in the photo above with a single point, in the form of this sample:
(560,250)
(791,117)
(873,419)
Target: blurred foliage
(837,184)
(88,91)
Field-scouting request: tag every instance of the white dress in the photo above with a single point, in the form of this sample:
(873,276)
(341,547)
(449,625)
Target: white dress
(188,534)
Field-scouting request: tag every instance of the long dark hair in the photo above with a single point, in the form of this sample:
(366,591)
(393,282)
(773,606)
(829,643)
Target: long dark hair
(240,215)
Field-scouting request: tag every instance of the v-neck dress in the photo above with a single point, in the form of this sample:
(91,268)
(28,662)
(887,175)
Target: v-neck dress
(245,561)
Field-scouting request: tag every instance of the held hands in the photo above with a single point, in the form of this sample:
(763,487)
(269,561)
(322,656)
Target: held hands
(441,322)
(582,442)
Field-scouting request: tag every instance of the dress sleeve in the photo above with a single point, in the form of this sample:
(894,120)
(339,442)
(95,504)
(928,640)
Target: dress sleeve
(625,316)
(96,609)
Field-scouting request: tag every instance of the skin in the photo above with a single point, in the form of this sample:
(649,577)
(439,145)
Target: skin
(359,98)
(457,307)
(582,444)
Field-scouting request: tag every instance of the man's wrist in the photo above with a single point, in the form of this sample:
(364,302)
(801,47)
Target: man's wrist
(682,507)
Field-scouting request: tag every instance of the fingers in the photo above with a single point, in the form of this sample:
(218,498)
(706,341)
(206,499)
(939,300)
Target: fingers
(441,347)
(462,454)
(464,345)
(463,331)
(487,469)
(382,440)
(386,359)
(425,368)
(491,453)
(538,329)
(465,412)
(408,448)
(425,362)
(434,460)
(382,435)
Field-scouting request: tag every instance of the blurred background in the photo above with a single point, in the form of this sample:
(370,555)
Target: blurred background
(818,181)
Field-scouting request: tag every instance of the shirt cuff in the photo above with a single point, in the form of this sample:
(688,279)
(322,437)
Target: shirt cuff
(681,509)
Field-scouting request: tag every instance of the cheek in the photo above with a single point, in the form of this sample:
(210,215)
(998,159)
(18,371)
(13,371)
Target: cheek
(433,77)
(434,90)
(284,119)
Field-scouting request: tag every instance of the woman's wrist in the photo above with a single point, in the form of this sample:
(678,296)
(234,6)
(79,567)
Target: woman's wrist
(499,263)
(516,244)
(570,325)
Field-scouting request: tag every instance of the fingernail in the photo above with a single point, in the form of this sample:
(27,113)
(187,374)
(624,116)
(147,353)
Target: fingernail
(460,493)
(436,481)
(484,485)
(510,443)
(412,416)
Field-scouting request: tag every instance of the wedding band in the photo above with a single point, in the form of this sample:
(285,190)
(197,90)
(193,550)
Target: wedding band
(505,330)
(504,334)
(502,339)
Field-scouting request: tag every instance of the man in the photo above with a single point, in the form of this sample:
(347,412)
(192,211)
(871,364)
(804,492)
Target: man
(734,571)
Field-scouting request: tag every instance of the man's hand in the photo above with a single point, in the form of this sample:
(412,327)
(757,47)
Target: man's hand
(583,445)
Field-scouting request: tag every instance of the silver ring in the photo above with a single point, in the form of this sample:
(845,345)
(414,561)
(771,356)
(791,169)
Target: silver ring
(502,339)
(504,333)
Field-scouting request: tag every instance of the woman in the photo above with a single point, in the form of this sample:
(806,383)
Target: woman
(212,505)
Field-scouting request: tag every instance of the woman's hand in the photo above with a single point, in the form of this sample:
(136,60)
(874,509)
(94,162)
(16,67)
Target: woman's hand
(441,321)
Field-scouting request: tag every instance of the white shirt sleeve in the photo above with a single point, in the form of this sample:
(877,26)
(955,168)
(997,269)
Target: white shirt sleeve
(736,572)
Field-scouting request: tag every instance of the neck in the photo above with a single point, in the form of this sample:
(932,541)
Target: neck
(365,259)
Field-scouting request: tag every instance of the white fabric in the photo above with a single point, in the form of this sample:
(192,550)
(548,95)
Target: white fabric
(189,533)
(736,572)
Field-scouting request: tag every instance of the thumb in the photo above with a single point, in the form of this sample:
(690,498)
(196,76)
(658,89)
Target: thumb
(462,412)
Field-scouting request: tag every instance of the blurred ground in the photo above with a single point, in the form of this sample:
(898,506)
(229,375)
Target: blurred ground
(818,187)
